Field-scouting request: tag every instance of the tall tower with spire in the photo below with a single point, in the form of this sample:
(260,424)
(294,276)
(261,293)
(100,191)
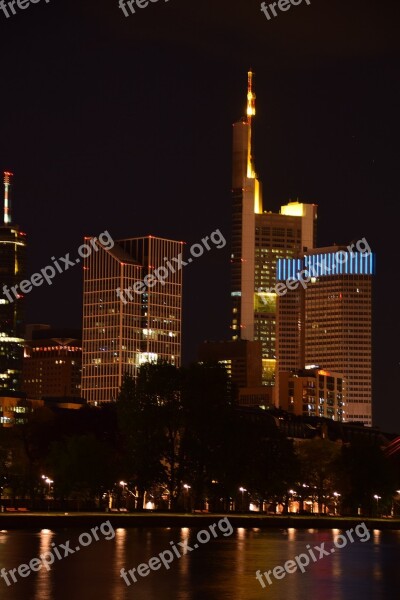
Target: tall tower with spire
(259,238)
(247,202)
(12,267)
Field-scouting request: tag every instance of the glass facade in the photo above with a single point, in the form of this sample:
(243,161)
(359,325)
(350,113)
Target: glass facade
(121,332)
(12,269)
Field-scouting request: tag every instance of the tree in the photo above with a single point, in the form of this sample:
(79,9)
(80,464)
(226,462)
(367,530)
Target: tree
(365,472)
(81,468)
(264,460)
(208,416)
(138,420)
(319,466)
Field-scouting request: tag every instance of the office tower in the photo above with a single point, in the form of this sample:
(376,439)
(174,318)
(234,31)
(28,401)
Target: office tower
(130,316)
(259,238)
(161,307)
(242,361)
(52,366)
(12,266)
(331,327)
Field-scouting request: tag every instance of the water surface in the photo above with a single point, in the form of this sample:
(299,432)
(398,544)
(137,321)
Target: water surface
(224,567)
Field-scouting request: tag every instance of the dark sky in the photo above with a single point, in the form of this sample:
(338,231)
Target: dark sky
(124,124)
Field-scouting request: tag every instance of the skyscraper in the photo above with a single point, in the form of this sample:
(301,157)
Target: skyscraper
(12,265)
(259,238)
(161,306)
(129,316)
(327,321)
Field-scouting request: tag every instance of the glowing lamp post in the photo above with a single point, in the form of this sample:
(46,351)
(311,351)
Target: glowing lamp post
(243,490)
(49,482)
(292,493)
(336,500)
(377,498)
(123,484)
(187,488)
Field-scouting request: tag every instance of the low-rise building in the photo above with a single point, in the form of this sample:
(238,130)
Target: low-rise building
(312,392)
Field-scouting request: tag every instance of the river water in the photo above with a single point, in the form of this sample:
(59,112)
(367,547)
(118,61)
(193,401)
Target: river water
(224,567)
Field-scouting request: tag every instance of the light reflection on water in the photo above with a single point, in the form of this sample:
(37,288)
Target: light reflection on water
(222,568)
(119,556)
(44,583)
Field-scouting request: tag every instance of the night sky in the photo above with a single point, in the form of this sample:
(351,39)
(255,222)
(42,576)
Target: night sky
(124,124)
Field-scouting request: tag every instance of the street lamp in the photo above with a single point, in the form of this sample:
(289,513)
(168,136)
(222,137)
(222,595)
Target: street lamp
(292,493)
(336,500)
(123,484)
(394,501)
(243,490)
(186,496)
(377,498)
(49,482)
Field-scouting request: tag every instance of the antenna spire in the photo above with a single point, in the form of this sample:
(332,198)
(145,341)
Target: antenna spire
(251,98)
(7,208)
(251,111)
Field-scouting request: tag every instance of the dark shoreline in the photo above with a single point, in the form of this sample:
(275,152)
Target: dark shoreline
(38,521)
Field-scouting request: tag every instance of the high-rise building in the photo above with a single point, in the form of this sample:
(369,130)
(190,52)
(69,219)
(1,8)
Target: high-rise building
(259,238)
(161,306)
(12,266)
(327,320)
(242,361)
(52,364)
(130,316)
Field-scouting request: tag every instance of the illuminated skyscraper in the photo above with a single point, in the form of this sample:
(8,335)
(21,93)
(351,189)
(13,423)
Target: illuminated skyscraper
(161,306)
(12,265)
(141,323)
(327,321)
(259,238)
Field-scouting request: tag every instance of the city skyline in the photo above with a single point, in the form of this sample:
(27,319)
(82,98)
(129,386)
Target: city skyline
(254,234)
(324,134)
(198,249)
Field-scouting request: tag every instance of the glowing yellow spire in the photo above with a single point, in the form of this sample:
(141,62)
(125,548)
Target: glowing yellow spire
(251,111)
(251,98)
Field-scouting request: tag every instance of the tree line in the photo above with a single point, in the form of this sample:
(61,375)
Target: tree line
(177,435)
